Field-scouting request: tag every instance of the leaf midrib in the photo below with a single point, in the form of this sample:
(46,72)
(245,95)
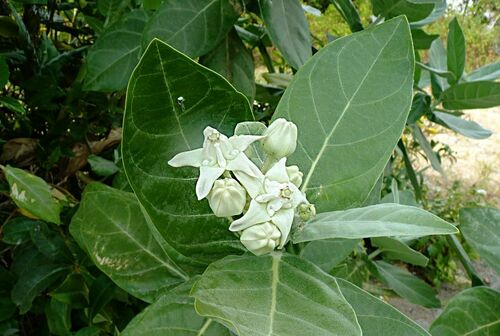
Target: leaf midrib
(348,104)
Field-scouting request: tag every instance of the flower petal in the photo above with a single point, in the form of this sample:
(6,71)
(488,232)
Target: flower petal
(278,172)
(283,219)
(242,163)
(191,158)
(256,214)
(253,185)
(206,180)
(241,142)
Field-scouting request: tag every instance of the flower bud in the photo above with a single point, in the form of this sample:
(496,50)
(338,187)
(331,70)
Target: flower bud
(295,175)
(306,211)
(280,138)
(227,198)
(262,238)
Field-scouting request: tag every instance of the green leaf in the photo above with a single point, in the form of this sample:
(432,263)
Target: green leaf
(33,281)
(110,227)
(437,12)
(407,285)
(489,72)
(112,58)
(455,50)
(18,230)
(380,220)
(102,166)
(481,229)
(414,10)
(437,60)
(421,105)
(468,128)
(170,100)
(108,7)
(473,312)
(194,27)
(350,101)
(4,72)
(232,60)
(32,194)
(101,292)
(89,331)
(255,151)
(427,148)
(405,197)
(13,105)
(73,291)
(326,254)
(376,317)
(422,40)
(174,314)
(287,26)
(58,316)
(472,95)
(274,294)
(393,248)
(349,13)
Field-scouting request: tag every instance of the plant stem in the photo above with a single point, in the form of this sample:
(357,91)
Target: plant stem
(375,253)
(464,259)
(267,59)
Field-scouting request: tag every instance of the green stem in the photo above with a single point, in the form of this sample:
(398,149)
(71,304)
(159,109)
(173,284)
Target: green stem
(267,59)
(410,171)
(464,259)
(375,253)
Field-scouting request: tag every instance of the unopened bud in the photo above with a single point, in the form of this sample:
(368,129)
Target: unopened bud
(261,239)
(280,138)
(295,175)
(306,211)
(227,198)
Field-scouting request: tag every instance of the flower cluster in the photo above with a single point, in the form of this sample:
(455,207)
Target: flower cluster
(268,197)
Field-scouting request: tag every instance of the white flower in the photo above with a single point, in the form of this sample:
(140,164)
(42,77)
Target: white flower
(280,138)
(295,175)
(217,155)
(274,200)
(261,239)
(227,198)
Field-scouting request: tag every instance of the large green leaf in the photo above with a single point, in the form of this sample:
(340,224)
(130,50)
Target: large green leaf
(274,294)
(31,193)
(469,128)
(112,58)
(350,103)
(414,10)
(422,40)
(407,285)
(472,95)
(487,72)
(233,61)
(393,248)
(377,317)
(111,228)
(326,254)
(170,100)
(473,312)
(192,26)
(287,26)
(455,50)
(481,228)
(173,315)
(380,220)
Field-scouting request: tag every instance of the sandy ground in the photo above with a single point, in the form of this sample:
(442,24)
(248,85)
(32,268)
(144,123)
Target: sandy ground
(478,161)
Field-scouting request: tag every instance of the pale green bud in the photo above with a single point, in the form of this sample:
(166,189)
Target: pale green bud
(306,211)
(295,175)
(280,138)
(261,239)
(227,198)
